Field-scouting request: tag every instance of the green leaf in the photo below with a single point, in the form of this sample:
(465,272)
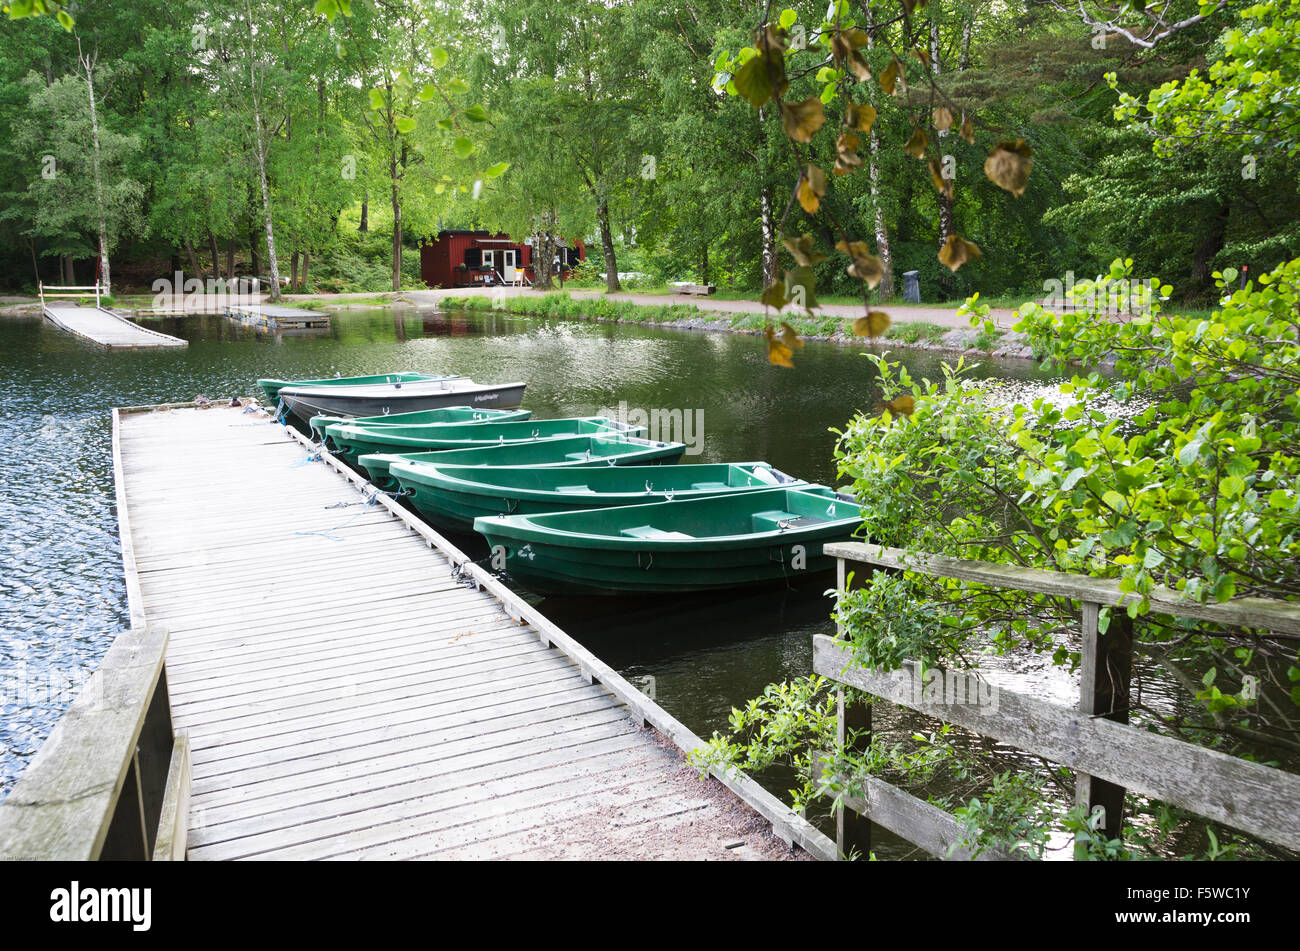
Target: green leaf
(497,170)
(438,57)
(404,124)
(377,100)
(475,114)
(463,147)
(788,18)
(1191,452)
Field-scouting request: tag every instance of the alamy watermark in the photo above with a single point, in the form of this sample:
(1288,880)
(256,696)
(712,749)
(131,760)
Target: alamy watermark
(1108,296)
(663,425)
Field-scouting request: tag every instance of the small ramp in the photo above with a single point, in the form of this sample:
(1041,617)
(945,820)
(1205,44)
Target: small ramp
(98,324)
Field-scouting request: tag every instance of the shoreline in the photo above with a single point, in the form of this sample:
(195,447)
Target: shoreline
(910,335)
(921,335)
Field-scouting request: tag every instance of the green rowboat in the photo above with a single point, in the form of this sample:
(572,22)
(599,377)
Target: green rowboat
(272,387)
(422,417)
(352,442)
(614,450)
(453,496)
(728,541)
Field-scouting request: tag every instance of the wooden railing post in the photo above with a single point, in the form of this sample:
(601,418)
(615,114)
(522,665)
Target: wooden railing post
(1105,673)
(852,830)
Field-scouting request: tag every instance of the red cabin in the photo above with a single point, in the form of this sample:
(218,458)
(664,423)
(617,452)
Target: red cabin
(480,258)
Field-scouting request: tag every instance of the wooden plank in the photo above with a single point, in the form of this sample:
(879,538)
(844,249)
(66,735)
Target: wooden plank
(923,824)
(173,823)
(62,805)
(1244,795)
(1258,613)
(1105,671)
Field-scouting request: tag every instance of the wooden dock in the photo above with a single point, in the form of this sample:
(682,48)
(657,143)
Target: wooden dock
(354,687)
(107,329)
(272,317)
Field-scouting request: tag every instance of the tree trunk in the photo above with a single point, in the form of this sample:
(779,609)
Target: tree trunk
(946,225)
(252,250)
(365,212)
(69,273)
(260,150)
(1216,231)
(306,262)
(397,226)
(885,289)
(293,272)
(704,264)
(607,246)
(769,238)
(105,277)
(194,262)
(544,246)
(216,258)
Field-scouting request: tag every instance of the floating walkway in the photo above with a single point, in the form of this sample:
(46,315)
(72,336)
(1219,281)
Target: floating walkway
(353,687)
(106,329)
(272,317)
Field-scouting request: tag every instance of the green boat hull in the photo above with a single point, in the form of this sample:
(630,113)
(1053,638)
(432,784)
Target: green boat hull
(453,497)
(351,442)
(575,451)
(272,387)
(773,536)
(423,417)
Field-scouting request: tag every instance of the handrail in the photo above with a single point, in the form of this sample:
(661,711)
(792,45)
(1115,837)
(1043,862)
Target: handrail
(1095,739)
(110,770)
(1280,616)
(42,287)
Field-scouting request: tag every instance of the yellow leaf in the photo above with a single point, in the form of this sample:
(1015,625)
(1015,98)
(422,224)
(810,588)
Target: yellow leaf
(1008,166)
(866,266)
(812,186)
(942,118)
(772,38)
(802,119)
(861,117)
(774,295)
(889,78)
(956,251)
(944,185)
(921,53)
(903,405)
(967,130)
(802,250)
(873,324)
(790,336)
(859,66)
(801,287)
(847,158)
(778,354)
(915,146)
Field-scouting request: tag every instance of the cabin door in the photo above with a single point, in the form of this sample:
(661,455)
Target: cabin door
(509,265)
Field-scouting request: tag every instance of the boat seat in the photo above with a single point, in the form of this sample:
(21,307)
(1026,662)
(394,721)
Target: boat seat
(649,531)
(709,485)
(574,489)
(774,520)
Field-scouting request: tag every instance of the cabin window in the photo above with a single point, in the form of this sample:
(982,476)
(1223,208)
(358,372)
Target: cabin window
(473,257)
(489,259)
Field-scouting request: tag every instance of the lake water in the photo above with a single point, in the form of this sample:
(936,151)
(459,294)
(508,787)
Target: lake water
(62,597)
